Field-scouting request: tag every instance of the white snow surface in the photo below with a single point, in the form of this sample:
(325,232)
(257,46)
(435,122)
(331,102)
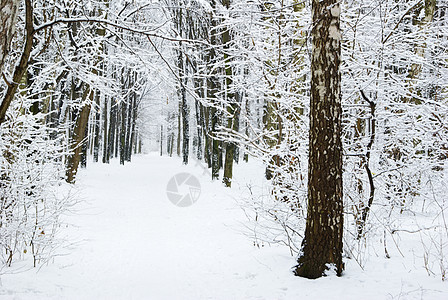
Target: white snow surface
(133,243)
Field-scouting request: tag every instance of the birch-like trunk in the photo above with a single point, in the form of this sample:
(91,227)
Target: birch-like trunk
(8,16)
(322,245)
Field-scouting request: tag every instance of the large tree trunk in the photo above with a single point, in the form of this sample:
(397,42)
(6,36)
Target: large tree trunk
(322,245)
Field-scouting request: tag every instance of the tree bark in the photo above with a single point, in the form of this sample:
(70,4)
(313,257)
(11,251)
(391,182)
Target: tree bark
(112,125)
(78,139)
(132,125)
(8,16)
(106,148)
(199,130)
(212,90)
(185,115)
(232,106)
(20,69)
(97,129)
(322,244)
(124,108)
(179,128)
(207,135)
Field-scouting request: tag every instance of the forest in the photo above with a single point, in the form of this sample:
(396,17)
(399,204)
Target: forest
(323,122)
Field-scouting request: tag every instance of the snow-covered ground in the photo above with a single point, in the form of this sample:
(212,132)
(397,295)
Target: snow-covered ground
(133,243)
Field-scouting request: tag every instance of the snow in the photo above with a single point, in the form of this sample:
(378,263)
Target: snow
(133,243)
(335,10)
(334,32)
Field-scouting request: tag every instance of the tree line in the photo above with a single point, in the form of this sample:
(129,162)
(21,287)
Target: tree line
(224,80)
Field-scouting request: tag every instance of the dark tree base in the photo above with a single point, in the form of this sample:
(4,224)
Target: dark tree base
(313,270)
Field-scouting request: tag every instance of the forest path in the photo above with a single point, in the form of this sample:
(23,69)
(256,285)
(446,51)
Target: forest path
(131,242)
(143,246)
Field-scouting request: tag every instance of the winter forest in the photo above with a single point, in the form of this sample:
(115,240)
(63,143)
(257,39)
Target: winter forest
(312,134)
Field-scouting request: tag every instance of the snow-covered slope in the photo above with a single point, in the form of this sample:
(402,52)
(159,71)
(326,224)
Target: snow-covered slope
(133,243)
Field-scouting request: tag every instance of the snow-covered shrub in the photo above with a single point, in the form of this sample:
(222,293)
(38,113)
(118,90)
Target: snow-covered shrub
(271,221)
(31,174)
(394,132)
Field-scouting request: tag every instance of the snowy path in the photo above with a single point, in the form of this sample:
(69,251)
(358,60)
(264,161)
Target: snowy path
(135,244)
(145,247)
(138,245)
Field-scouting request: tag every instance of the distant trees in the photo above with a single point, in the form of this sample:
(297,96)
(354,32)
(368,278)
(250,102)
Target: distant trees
(219,80)
(55,78)
(391,80)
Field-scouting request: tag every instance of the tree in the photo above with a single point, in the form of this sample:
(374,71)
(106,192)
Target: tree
(20,68)
(78,138)
(232,105)
(8,14)
(322,244)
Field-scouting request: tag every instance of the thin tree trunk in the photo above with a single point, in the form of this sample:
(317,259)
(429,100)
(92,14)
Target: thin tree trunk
(117,130)
(185,113)
(215,145)
(232,107)
(127,147)
(78,139)
(179,128)
(97,131)
(123,132)
(133,130)
(106,140)
(113,122)
(271,124)
(206,128)
(212,89)
(161,140)
(199,130)
(366,208)
(84,147)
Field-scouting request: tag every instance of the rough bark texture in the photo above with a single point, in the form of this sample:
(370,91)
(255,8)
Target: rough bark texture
(8,15)
(20,69)
(322,245)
